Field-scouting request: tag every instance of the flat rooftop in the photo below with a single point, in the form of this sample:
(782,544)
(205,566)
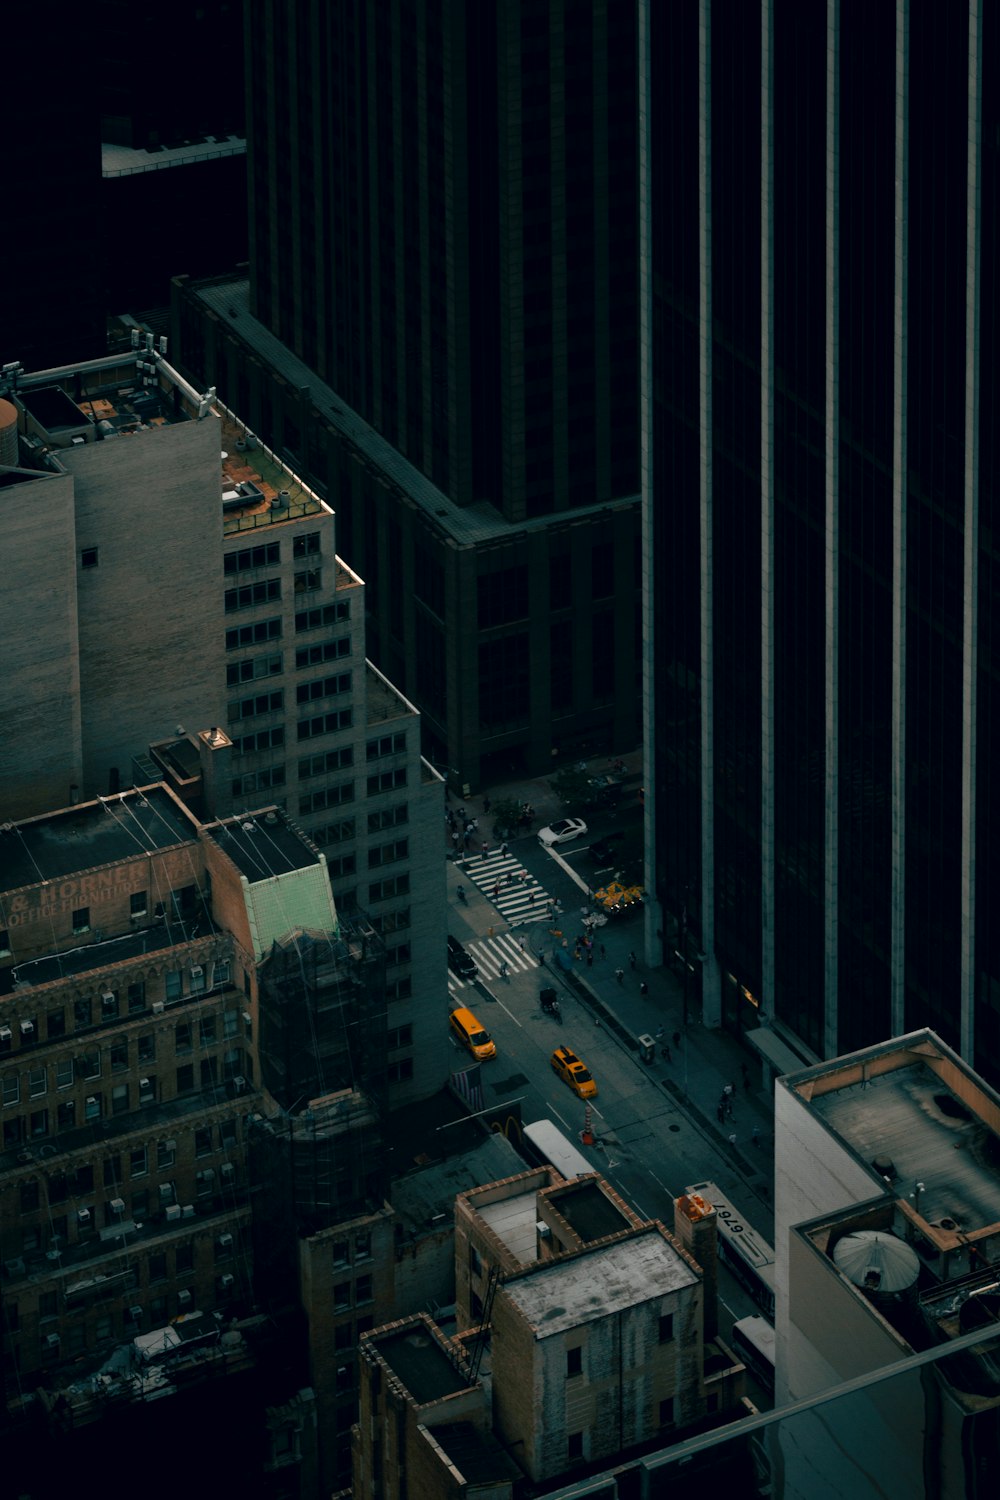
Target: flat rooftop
(598,1283)
(513,1221)
(75,839)
(116,950)
(420,1364)
(263,845)
(911,1117)
(588,1211)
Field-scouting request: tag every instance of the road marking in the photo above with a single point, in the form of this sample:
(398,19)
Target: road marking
(509,1012)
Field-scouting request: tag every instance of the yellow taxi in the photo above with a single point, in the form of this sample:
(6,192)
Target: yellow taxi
(572,1070)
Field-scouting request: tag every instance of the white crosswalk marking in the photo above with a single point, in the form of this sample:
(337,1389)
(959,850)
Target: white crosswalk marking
(516,895)
(490,953)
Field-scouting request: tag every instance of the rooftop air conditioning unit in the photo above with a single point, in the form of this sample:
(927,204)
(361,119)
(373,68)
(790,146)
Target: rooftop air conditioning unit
(144,1084)
(197,973)
(227,1282)
(83,1216)
(27,1027)
(239,1083)
(134,1314)
(166,1192)
(52,1341)
(117,1206)
(225,1242)
(184,1298)
(157,1007)
(187,1210)
(5,1033)
(173,1212)
(227,1171)
(107,999)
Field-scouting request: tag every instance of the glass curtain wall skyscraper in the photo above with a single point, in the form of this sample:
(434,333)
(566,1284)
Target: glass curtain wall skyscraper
(820,453)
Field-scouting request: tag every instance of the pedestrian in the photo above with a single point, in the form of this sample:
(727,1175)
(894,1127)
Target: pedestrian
(727,1092)
(620,975)
(631,960)
(659,1033)
(503,851)
(677,1038)
(603,951)
(475,824)
(720,1112)
(485,850)
(468,840)
(541,960)
(489,932)
(732,1139)
(520,943)
(746,1076)
(732,1089)
(486,805)
(576,953)
(531,898)
(755,1136)
(729,1109)
(461,814)
(454,839)
(496,890)
(644,990)
(590,959)
(665,1052)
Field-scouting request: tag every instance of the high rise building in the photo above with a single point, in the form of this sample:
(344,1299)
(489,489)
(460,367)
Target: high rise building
(153,588)
(440,324)
(819,235)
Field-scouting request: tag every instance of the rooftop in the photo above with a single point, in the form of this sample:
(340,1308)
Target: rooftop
(420,1362)
(384,701)
(263,845)
(588,1210)
(108,831)
(99,955)
(127,161)
(229,299)
(912,1111)
(597,1283)
(425,1199)
(513,1221)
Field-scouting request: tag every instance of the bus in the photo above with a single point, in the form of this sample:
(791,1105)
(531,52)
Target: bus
(741,1249)
(753,1342)
(547,1144)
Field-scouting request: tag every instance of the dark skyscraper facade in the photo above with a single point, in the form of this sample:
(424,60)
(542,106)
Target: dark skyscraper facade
(440,328)
(820,450)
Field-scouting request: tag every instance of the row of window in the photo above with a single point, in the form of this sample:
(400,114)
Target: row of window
(261,632)
(88,1010)
(256,667)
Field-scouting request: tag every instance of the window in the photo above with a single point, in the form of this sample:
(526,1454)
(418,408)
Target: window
(184,1258)
(264,556)
(306,545)
(399,989)
(329,614)
(263,703)
(315,656)
(388,744)
(230,1024)
(342,1296)
(328,796)
(65,1115)
(174,989)
(400,1036)
(112,1171)
(136,996)
(64,1073)
(13,1131)
(347,864)
(264,739)
(574,1445)
(206,1031)
(147,1047)
(48,1305)
(323,687)
(250,594)
(4,942)
(387,781)
(109,1005)
(158,1266)
(203,1141)
(93,1107)
(389,817)
(384,890)
(319,765)
(81,1013)
(259,781)
(221,975)
(138,904)
(392,921)
(401,1071)
(667,1411)
(166,1153)
(341,1255)
(205,1183)
(307,729)
(182,1037)
(333,833)
(388,854)
(119,1054)
(666,1328)
(253,669)
(119,1099)
(138,1162)
(364,1289)
(363,1245)
(29,1197)
(37,1083)
(185,1078)
(574,1362)
(398,955)
(55,1024)
(89,557)
(240,636)
(309,580)
(81,919)
(88,1065)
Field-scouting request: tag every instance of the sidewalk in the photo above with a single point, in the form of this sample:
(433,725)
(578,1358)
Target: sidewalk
(703,1063)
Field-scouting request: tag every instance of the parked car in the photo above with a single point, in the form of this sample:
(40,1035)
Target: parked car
(572,1070)
(460,962)
(604,851)
(562,831)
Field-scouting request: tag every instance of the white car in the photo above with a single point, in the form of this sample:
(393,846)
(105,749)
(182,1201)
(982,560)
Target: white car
(561,832)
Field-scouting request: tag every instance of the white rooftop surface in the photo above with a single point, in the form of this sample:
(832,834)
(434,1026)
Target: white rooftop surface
(514,1220)
(126,161)
(598,1283)
(911,1116)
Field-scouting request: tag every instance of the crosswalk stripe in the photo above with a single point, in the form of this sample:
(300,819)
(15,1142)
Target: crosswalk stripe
(515,894)
(492,952)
